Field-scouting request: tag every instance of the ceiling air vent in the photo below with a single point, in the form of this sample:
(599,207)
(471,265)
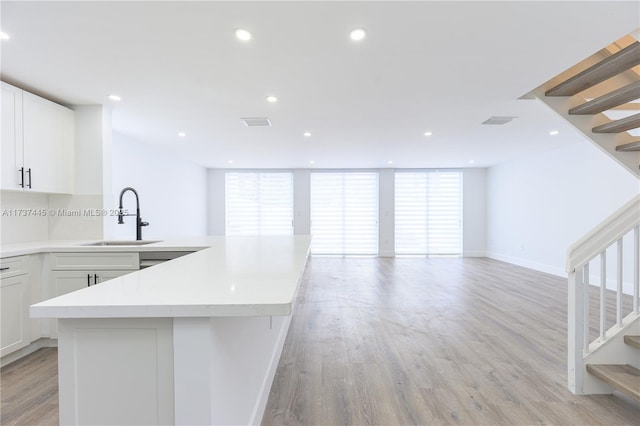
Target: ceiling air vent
(498,120)
(256,121)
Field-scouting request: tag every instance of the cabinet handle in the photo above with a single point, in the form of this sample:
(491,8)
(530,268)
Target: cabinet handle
(5,269)
(29,173)
(88,280)
(95,278)
(21,177)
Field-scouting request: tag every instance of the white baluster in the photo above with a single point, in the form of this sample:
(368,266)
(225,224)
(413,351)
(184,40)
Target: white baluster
(619,289)
(586,339)
(636,268)
(603,294)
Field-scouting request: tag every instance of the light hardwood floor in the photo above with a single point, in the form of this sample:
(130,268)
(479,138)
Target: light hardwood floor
(402,342)
(431,342)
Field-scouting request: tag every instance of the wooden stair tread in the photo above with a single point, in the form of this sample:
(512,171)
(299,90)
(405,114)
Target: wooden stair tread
(631,146)
(619,126)
(616,98)
(615,64)
(633,340)
(623,378)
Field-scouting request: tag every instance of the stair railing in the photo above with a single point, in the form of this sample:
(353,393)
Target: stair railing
(615,236)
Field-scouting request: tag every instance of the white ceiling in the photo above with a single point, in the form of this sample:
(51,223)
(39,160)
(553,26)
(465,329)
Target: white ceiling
(438,66)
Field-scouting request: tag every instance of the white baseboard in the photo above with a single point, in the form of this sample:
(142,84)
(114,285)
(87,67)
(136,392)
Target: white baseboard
(553,270)
(627,286)
(474,253)
(27,350)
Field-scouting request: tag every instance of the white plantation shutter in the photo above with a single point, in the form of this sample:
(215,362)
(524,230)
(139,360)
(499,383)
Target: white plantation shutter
(259,203)
(428,213)
(344,213)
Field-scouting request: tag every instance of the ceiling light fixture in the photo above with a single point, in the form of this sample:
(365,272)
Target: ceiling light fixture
(472,161)
(243,35)
(312,162)
(230,162)
(358,34)
(307,134)
(428,133)
(272,99)
(554,132)
(389,162)
(182,134)
(4,36)
(115,98)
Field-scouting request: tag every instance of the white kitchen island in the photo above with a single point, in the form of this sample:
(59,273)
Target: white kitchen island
(193,341)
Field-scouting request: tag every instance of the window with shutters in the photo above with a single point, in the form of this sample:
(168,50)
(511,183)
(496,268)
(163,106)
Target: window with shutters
(259,203)
(344,213)
(428,212)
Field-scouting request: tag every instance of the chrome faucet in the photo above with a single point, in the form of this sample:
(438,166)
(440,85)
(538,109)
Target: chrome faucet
(139,222)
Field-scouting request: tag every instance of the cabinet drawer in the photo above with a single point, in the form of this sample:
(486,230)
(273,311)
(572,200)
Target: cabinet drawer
(94,261)
(14,266)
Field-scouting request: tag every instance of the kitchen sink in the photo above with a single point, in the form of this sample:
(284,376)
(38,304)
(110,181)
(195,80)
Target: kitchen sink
(120,243)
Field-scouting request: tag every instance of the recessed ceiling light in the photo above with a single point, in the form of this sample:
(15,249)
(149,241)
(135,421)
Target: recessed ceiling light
(243,35)
(4,36)
(312,162)
(182,134)
(272,99)
(554,132)
(115,98)
(230,162)
(428,133)
(358,34)
(307,134)
(472,161)
(389,162)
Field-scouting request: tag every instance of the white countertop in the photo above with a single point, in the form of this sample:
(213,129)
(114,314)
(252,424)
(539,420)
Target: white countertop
(60,246)
(235,276)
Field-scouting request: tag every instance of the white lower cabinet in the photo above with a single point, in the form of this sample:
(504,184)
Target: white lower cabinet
(14,304)
(63,282)
(74,271)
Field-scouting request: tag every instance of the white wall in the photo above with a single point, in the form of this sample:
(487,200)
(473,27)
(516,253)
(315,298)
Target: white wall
(386,212)
(302,202)
(215,202)
(92,176)
(16,227)
(474,213)
(173,192)
(537,207)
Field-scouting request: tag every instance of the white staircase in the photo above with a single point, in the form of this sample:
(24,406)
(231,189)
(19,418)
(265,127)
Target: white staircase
(601,98)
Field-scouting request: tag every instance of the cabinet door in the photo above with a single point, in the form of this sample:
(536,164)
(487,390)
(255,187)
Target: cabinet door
(14,314)
(48,157)
(102,276)
(11,142)
(36,294)
(64,282)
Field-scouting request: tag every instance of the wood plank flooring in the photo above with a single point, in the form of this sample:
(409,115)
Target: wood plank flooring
(401,342)
(431,342)
(29,390)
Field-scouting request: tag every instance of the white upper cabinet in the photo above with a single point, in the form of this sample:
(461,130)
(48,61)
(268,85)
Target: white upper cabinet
(40,139)
(11,144)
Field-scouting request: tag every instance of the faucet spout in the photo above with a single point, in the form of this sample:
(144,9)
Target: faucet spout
(139,222)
